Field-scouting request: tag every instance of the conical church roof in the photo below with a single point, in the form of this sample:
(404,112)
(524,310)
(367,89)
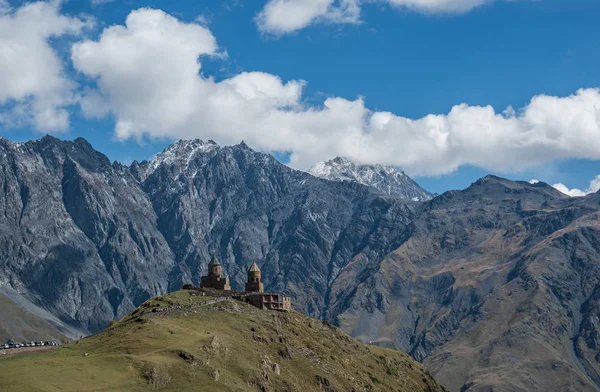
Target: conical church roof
(254,268)
(213,262)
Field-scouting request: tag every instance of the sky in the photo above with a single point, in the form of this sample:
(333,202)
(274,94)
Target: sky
(446,90)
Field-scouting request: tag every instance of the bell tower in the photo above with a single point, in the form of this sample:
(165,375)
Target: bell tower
(254,285)
(214,268)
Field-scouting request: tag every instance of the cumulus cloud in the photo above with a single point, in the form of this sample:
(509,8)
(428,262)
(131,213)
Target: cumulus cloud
(148,77)
(285,16)
(593,188)
(33,87)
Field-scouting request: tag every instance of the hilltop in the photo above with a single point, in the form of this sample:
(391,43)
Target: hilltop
(189,341)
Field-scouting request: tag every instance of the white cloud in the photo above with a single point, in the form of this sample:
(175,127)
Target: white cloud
(286,16)
(148,77)
(100,2)
(571,192)
(593,188)
(146,72)
(439,6)
(203,20)
(33,87)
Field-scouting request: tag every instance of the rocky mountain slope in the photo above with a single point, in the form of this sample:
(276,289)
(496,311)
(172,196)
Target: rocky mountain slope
(216,344)
(493,287)
(21,320)
(89,240)
(386,179)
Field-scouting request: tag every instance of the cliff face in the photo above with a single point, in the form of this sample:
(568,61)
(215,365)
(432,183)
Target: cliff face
(493,286)
(78,234)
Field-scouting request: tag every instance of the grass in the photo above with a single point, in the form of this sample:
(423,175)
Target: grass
(226,346)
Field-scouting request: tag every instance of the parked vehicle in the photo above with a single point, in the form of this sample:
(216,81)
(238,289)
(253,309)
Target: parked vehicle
(10,344)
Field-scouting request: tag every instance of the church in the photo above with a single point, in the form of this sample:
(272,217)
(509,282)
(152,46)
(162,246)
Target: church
(254,290)
(214,280)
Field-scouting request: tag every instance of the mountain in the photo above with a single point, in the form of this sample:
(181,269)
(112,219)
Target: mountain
(216,344)
(386,179)
(496,288)
(78,235)
(492,287)
(88,240)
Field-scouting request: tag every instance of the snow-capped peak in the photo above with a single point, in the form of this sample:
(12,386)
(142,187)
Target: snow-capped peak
(182,153)
(386,179)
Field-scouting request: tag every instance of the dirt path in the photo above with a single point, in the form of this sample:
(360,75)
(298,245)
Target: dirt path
(11,352)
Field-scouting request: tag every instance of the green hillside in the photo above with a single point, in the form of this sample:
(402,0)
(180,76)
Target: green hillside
(192,342)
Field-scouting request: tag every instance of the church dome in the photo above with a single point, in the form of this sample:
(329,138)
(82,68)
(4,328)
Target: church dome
(254,268)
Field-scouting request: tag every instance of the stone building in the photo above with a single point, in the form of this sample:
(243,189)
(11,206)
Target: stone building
(254,293)
(215,280)
(254,285)
(256,296)
(270,301)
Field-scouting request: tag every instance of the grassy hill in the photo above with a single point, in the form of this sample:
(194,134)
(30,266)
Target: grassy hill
(193,342)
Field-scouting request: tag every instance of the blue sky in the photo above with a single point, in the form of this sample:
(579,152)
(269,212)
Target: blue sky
(400,60)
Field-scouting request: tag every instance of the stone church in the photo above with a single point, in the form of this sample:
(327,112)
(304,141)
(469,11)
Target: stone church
(214,280)
(254,293)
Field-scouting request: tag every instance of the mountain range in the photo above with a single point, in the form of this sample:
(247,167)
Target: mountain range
(495,287)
